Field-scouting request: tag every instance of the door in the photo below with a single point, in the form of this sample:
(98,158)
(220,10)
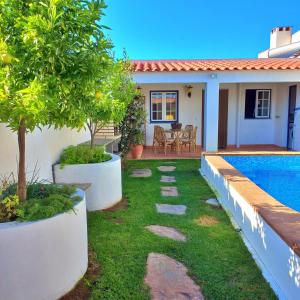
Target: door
(291,115)
(223,119)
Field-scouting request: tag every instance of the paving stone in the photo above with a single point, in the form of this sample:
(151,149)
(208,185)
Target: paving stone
(213,202)
(168,232)
(169,191)
(168,179)
(166,168)
(141,173)
(171,209)
(168,279)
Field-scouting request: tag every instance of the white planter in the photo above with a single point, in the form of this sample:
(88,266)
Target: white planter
(43,259)
(105,179)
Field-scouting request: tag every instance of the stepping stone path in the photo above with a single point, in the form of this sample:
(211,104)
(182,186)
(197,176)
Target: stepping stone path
(168,179)
(169,191)
(168,279)
(168,232)
(213,202)
(171,209)
(141,173)
(166,168)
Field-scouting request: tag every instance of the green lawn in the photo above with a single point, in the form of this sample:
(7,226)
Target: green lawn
(215,255)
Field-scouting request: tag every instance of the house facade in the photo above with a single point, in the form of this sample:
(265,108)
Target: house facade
(233,102)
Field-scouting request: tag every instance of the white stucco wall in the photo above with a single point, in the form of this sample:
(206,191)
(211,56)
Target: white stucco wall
(190,109)
(251,131)
(42,148)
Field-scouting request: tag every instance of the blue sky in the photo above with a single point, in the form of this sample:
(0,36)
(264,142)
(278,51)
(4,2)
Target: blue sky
(162,29)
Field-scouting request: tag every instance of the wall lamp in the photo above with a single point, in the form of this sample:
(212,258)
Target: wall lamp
(188,90)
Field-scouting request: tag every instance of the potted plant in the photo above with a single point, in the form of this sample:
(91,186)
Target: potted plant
(47,64)
(112,93)
(132,128)
(137,143)
(92,166)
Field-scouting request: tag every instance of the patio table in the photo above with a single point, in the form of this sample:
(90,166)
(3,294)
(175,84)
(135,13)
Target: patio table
(177,135)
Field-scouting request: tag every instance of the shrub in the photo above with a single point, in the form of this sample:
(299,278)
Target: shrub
(44,201)
(83,154)
(9,208)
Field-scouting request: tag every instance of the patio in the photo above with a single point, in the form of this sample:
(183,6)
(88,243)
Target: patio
(148,152)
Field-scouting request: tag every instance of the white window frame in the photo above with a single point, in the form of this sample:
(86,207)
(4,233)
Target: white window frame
(164,107)
(263,99)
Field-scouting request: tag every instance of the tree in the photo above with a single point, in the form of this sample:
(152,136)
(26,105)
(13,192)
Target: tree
(114,91)
(50,55)
(132,126)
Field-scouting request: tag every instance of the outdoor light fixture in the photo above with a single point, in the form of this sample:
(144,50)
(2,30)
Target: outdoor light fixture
(188,90)
(139,89)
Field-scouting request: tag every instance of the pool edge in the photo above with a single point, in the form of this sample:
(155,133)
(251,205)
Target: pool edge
(258,214)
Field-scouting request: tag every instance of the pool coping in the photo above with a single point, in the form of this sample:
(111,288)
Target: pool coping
(283,220)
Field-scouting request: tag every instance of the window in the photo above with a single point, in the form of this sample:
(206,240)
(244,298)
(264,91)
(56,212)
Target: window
(164,106)
(257,104)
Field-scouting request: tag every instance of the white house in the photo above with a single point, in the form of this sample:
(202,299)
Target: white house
(233,102)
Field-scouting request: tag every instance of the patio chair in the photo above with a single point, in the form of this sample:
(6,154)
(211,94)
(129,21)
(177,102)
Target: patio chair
(160,139)
(190,139)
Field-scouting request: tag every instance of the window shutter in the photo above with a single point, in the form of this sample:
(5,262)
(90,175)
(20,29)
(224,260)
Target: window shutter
(250,104)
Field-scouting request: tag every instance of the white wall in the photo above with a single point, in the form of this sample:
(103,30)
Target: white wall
(190,109)
(251,131)
(42,148)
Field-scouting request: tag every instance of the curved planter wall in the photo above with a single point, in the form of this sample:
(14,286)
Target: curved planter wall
(43,259)
(105,179)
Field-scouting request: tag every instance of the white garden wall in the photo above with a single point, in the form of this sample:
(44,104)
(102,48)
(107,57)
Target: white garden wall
(42,148)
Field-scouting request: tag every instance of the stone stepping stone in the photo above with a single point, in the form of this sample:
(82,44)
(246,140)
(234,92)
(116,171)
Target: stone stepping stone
(168,179)
(141,173)
(171,209)
(169,191)
(166,168)
(168,232)
(168,279)
(213,202)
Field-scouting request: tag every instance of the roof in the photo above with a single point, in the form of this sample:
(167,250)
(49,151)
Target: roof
(202,65)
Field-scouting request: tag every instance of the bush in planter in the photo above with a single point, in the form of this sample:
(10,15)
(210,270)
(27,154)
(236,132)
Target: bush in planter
(82,154)
(131,127)
(44,201)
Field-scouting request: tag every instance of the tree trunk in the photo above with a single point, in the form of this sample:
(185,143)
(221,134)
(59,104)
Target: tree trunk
(92,139)
(22,171)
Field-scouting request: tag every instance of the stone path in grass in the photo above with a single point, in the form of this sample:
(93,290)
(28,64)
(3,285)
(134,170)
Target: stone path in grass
(141,173)
(168,279)
(171,209)
(213,202)
(169,191)
(168,179)
(168,232)
(166,168)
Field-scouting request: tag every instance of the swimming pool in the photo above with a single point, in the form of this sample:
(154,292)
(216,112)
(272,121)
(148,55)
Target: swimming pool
(278,175)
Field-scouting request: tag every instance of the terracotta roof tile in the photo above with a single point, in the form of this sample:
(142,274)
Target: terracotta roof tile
(216,65)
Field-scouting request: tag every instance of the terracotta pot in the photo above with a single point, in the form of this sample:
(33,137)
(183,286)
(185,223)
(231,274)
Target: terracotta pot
(136,151)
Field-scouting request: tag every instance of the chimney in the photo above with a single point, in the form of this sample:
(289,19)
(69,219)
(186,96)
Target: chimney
(280,36)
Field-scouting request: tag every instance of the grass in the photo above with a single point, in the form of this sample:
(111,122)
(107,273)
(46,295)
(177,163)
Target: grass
(214,253)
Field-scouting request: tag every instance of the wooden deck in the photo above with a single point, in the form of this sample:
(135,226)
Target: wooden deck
(148,152)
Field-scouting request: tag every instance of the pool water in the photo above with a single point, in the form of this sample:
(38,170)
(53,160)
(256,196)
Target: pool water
(278,175)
